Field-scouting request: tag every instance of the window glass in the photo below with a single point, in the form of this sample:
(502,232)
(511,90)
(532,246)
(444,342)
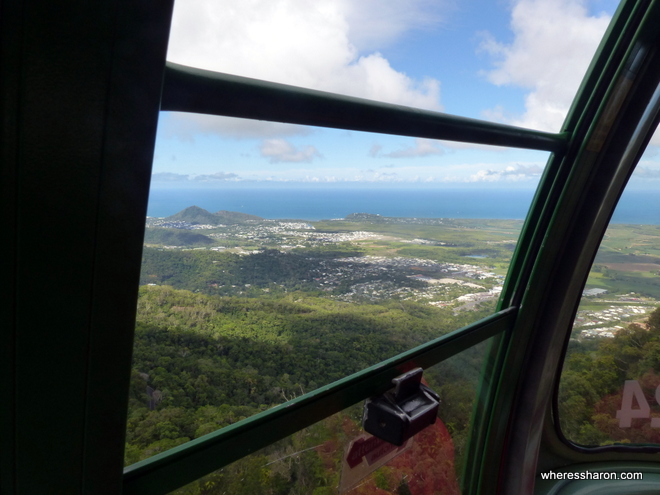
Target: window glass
(609,391)
(259,288)
(518,62)
(324,458)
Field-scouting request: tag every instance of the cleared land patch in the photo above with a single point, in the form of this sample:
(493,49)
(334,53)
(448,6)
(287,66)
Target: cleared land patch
(633,267)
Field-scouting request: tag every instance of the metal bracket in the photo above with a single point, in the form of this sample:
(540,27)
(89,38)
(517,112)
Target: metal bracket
(398,415)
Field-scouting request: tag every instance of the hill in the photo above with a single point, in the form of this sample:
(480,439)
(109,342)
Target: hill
(176,237)
(367,217)
(236,217)
(197,215)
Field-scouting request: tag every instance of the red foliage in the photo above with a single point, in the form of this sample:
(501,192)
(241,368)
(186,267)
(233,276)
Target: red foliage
(427,467)
(641,431)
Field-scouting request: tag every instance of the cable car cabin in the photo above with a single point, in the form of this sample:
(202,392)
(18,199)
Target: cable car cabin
(244,367)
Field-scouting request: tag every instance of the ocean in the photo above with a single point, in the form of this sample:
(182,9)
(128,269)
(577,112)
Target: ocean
(318,203)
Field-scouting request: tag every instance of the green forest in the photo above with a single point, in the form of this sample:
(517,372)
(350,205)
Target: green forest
(221,336)
(202,362)
(592,385)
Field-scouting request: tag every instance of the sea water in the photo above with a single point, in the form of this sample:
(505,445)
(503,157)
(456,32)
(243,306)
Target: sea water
(318,202)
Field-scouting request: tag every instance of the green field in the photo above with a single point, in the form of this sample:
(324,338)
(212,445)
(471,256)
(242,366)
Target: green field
(628,261)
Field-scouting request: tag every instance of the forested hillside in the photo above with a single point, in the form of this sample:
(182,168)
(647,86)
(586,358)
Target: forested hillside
(594,379)
(214,272)
(203,362)
(197,215)
(176,237)
(270,273)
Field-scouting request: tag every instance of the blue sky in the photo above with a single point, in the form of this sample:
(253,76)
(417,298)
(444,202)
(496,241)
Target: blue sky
(517,62)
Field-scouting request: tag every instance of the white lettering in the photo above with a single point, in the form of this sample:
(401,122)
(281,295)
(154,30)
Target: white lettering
(625,415)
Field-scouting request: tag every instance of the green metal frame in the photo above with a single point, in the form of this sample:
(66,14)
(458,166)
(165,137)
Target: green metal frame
(187,89)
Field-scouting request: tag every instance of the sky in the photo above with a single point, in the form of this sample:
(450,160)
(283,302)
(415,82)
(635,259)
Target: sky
(518,62)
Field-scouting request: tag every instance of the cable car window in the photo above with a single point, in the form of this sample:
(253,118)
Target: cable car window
(609,391)
(336,455)
(259,288)
(280,258)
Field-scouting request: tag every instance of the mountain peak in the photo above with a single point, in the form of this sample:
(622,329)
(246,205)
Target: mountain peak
(195,214)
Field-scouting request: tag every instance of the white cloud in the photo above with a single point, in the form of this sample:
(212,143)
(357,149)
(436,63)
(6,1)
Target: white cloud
(282,152)
(374,151)
(654,144)
(174,177)
(512,173)
(646,173)
(521,173)
(426,147)
(279,150)
(422,147)
(554,41)
(374,23)
(218,176)
(186,125)
(649,165)
(168,177)
(303,43)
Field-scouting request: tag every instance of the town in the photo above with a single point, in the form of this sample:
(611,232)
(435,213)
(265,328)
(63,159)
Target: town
(359,279)
(614,314)
(447,263)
